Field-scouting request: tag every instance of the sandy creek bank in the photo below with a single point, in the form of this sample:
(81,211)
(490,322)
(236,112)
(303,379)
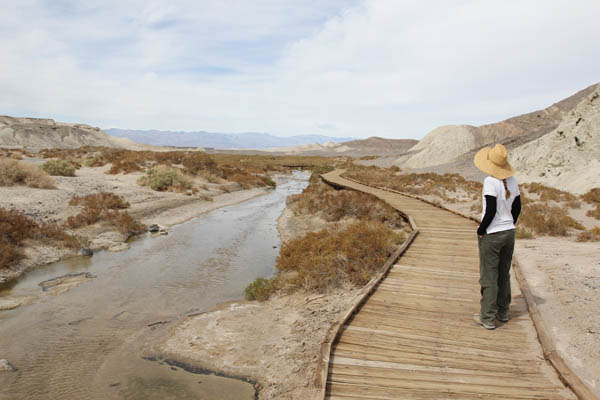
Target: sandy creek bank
(92,332)
(150,207)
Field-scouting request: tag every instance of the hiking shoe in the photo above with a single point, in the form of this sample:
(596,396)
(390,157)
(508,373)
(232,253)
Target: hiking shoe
(478,321)
(502,318)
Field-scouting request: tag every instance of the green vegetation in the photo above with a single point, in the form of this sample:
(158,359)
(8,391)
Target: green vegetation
(260,289)
(59,168)
(163,178)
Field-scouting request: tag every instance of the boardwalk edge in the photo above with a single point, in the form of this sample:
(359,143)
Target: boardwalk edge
(334,331)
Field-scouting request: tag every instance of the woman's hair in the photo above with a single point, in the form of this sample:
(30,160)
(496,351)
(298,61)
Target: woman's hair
(506,189)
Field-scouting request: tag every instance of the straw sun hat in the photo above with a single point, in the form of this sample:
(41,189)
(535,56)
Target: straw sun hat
(494,161)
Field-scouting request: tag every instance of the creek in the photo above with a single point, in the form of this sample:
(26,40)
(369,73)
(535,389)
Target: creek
(90,334)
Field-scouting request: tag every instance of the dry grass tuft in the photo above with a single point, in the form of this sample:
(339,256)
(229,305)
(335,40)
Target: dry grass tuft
(546,193)
(595,212)
(13,172)
(591,235)
(592,196)
(543,219)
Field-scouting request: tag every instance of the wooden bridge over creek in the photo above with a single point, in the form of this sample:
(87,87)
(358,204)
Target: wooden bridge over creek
(413,337)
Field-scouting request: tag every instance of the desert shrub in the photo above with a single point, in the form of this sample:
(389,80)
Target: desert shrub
(197,161)
(547,220)
(332,205)
(322,259)
(594,212)
(547,193)
(162,178)
(100,200)
(104,207)
(58,168)
(592,196)
(13,172)
(259,290)
(418,184)
(591,235)
(125,223)
(522,233)
(16,227)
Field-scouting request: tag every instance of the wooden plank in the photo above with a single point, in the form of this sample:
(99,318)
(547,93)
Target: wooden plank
(412,337)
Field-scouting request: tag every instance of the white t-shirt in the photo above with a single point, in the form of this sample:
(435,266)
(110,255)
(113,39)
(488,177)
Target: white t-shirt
(503,219)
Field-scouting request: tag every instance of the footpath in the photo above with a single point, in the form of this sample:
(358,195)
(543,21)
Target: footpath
(414,337)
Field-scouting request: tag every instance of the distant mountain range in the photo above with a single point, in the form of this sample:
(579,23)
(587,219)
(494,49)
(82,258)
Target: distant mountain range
(219,140)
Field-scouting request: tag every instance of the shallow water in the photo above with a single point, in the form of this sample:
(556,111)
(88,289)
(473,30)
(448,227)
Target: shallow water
(93,339)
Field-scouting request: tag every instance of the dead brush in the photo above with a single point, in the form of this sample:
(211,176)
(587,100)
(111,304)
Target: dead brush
(104,207)
(324,259)
(332,205)
(592,196)
(13,172)
(591,235)
(543,219)
(15,228)
(546,193)
(595,212)
(418,184)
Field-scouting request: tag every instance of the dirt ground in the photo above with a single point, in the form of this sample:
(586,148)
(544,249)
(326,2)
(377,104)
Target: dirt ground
(275,343)
(150,207)
(564,277)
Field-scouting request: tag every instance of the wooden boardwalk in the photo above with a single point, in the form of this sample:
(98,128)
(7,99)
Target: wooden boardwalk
(414,338)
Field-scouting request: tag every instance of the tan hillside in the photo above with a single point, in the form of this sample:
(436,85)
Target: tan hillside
(373,146)
(446,143)
(38,133)
(568,157)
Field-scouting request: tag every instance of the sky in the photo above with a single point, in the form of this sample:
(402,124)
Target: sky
(357,68)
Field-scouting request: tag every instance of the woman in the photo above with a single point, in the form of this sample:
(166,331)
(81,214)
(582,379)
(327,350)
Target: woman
(496,234)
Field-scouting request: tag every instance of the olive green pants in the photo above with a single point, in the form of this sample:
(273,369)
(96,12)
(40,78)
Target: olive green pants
(495,256)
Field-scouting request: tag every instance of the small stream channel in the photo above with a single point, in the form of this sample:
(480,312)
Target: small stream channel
(92,341)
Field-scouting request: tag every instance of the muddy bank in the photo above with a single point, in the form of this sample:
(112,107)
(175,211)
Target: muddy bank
(150,207)
(275,343)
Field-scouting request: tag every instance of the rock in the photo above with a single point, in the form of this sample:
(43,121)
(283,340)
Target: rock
(5,366)
(86,251)
(118,247)
(163,232)
(153,228)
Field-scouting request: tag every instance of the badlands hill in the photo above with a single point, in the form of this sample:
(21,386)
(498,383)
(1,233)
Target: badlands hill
(38,133)
(569,156)
(447,143)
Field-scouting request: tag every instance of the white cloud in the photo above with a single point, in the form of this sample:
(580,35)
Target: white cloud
(382,67)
